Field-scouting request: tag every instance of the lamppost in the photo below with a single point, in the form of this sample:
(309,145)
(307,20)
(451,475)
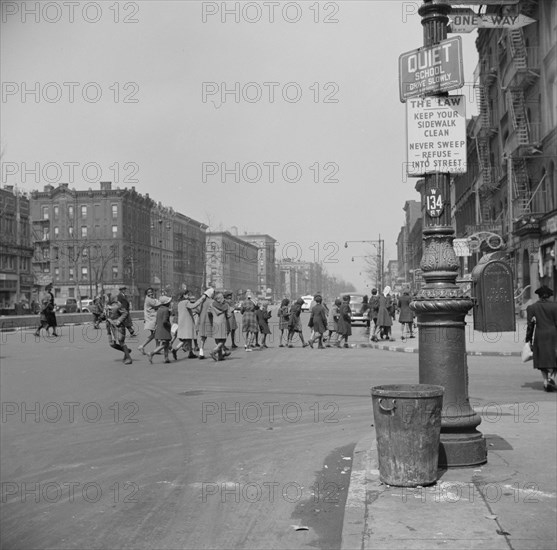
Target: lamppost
(168,227)
(379,245)
(441,306)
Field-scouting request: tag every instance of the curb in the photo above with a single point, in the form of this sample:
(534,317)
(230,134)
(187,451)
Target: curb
(401,349)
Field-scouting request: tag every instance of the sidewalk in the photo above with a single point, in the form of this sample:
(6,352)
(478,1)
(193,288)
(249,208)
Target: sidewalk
(477,343)
(508,503)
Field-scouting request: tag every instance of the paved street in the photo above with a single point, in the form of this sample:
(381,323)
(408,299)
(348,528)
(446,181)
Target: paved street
(195,454)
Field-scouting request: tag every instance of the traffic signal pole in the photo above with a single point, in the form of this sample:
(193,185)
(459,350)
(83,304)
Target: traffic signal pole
(440,305)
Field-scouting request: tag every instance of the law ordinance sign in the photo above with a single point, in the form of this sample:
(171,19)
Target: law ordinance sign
(436,135)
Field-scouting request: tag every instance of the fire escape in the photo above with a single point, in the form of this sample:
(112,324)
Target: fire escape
(485,77)
(522,72)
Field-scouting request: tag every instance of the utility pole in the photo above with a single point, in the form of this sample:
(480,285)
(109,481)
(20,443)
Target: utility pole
(440,305)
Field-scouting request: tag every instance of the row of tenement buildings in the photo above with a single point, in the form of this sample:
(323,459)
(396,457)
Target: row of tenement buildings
(87,242)
(506,202)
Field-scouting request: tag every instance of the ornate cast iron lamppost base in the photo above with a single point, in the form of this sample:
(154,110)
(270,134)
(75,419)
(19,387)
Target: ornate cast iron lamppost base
(441,309)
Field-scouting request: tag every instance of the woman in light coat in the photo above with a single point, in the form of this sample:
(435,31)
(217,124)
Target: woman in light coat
(204,325)
(187,311)
(150,307)
(332,323)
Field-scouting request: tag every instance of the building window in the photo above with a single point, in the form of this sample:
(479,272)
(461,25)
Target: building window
(56,212)
(83,231)
(56,232)
(83,273)
(45,212)
(85,252)
(114,211)
(71,292)
(84,212)
(70,212)
(46,233)
(70,231)
(55,253)
(114,272)
(57,273)
(114,231)
(70,273)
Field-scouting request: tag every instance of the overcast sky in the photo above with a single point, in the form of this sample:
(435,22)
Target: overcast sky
(132,92)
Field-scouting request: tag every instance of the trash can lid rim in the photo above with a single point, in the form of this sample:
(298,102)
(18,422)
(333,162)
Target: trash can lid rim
(411,391)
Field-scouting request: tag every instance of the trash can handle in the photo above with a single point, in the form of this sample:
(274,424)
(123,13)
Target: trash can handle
(386,408)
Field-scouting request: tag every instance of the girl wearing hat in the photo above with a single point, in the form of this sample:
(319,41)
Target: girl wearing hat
(542,335)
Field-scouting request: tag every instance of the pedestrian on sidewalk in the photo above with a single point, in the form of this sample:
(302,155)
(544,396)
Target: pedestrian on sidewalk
(332,323)
(163,329)
(318,321)
(284,317)
(542,335)
(406,315)
(150,307)
(116,329)
(295,323)
(364,312)
(263,315)
(384,315)
(373,312)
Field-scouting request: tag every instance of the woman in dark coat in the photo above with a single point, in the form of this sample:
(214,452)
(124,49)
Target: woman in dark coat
(295,323)
(263,315)
(318,321)
(47,317)
(384,318)
(284,316)
(344,322)
(163,328)
(406,315)
(542,335)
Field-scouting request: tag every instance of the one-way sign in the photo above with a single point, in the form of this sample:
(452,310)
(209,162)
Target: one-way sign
(466,20)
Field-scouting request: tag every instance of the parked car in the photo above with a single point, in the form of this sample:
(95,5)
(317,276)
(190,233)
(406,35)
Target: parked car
(86,306)
(307,302)
(356,301)
(66,305)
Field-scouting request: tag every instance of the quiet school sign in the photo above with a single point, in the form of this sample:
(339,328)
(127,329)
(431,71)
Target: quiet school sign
(436,135)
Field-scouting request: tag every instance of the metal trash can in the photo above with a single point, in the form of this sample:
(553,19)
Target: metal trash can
(407,429)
